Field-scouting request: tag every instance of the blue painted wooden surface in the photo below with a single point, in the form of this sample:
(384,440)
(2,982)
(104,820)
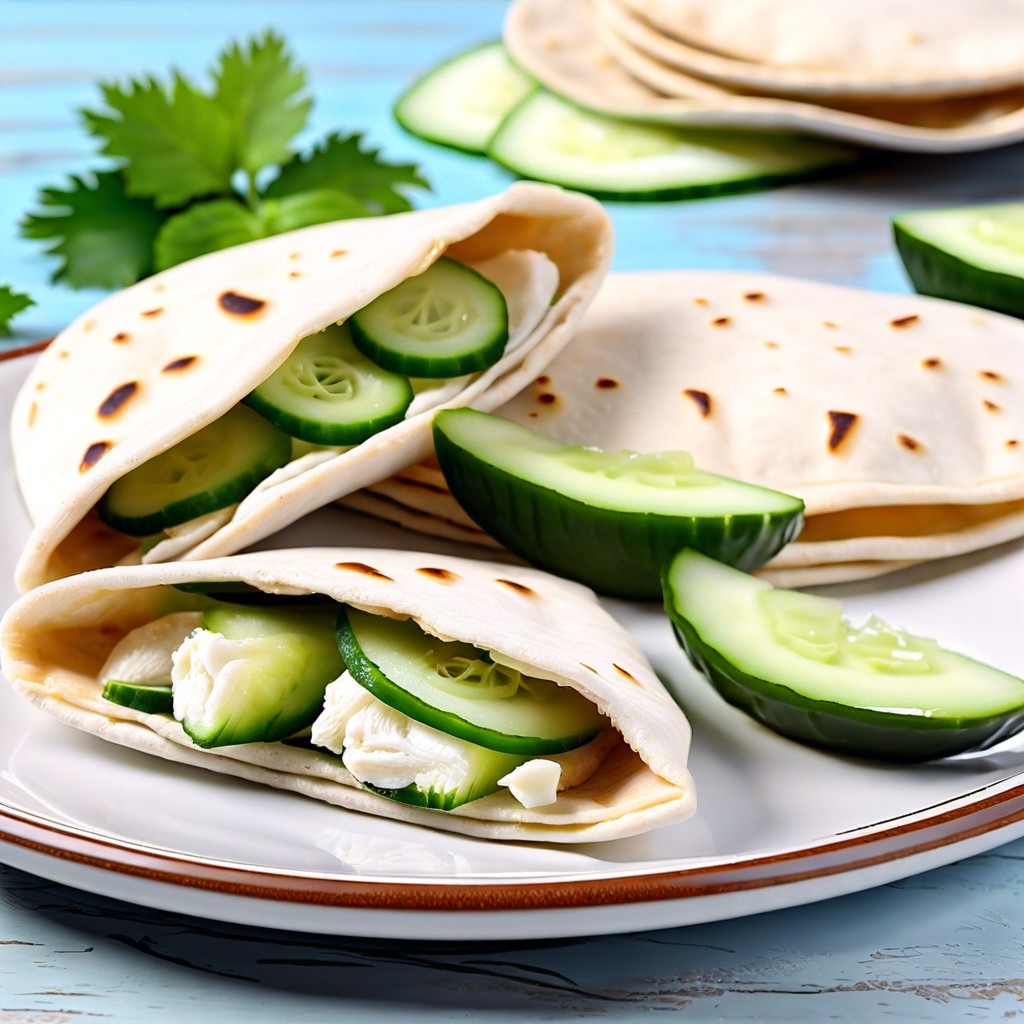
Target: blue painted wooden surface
(945,946)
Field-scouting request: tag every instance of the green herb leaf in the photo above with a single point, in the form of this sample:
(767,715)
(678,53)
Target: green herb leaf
(176,146)
(219,223)
(11,304)
(339,164)
(104,236)
(259,89)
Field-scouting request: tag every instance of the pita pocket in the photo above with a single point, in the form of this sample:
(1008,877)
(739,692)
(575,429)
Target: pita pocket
(152,365)
(898,419)
(59,640)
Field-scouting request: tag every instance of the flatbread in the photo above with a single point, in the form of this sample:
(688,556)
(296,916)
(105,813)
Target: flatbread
(569,51)
(153,364)
(898,419)
(907,48)
(56,639)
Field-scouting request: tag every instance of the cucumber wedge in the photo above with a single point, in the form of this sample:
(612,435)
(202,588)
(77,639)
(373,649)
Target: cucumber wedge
(607,519)
(327,392)
(789,660)
(153,700)
(457,689)
(461,102)
(972,254)
(549,139)
(212,469)
(446,322)
(254,674)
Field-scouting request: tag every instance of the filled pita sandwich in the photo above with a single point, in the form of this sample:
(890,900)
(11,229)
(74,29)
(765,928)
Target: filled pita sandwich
(898,419)
(596,62)
(209,405)
(485,699)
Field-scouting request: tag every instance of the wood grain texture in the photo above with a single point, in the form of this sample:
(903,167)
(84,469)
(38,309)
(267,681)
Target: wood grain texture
(944,946)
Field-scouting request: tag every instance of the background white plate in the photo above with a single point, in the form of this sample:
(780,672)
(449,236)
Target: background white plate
(778,824)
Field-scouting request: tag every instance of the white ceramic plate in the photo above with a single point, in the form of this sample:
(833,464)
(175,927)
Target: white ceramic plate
(778,824)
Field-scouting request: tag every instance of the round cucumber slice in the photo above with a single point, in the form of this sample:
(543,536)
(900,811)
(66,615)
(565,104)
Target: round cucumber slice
(550,139)
(212,469)
(153,700)
(327,392)
(607,519)
(461,102)
(972,254)
(790,661)
(457,689)
(446,322)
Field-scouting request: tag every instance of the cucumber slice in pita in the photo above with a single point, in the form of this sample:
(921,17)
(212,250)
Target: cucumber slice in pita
(972,254)
(607,519)
(211,469)
(152,700)
(461,102)
(550,139)
(789,660)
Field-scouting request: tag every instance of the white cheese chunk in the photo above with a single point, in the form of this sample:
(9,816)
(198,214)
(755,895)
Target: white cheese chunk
(534,784)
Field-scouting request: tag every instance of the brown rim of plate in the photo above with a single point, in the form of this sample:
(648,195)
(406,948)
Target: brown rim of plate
(728,875)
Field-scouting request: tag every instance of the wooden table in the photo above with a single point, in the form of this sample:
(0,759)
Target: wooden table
(944,946)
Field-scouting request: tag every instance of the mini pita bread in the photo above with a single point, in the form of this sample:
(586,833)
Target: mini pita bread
(898,419)
(56,639)
(907,48)
(153,364)
(568,49)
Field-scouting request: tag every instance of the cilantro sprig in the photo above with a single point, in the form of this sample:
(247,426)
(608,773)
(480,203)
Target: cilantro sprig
(197,170)
(11,304)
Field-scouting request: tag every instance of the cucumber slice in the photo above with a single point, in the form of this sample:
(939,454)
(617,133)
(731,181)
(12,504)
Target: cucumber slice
(972,254)
(210,470)
(457,689)
(607,519)
(329,393)
(461,102)
(791,662)
(547,138)
(254,674)
(154,700)
(446,322)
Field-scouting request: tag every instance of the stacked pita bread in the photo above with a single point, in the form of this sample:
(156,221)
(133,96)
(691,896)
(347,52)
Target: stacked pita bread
(898,419)
(913,74)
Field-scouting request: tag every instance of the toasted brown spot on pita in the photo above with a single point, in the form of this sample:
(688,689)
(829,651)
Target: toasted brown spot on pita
(754,296)
(32,410)
(294,255)
(533,415)
(721,321)
(990,375)
(423,485)
(240,305)
(771,344)
(88,326)
(295,273)
(905,321)
(113,402)
(908,442)
(158,287)
(63,354)
(991,406)
(339,252)
(626,675)
(606,382)
(153,312)
(121,337)
(779,391)
(701,399)
(932,363)
(546,398)
(93,454)
(589,668)
(543,379)
(700,302)
(366,570)
(181,363)
(840,425)
(1012,443)
(519,588)
(843,348)
(444,575)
